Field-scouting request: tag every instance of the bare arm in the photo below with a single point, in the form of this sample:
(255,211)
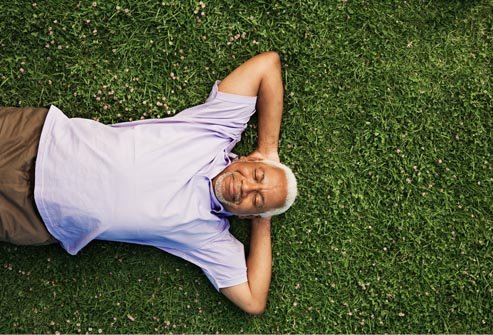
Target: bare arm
(261,76)
(252,296)
(269,109)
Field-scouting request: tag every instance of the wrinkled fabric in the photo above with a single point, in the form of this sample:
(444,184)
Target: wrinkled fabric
(20,223)
(146,182)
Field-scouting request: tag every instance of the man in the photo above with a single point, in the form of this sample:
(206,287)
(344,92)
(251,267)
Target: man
(170,183)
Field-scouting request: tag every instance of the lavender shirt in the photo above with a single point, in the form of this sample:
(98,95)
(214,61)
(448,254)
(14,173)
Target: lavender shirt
(146,182)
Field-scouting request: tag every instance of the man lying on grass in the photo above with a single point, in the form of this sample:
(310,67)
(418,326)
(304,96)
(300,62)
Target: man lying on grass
(170,183)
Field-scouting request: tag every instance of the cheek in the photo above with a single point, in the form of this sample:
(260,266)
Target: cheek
(247,204)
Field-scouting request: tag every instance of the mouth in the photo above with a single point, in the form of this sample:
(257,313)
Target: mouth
(233,190)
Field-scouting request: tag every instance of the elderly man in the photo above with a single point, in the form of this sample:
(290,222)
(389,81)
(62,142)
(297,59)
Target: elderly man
(170,183)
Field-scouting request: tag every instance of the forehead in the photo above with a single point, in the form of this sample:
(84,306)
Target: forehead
(274,182)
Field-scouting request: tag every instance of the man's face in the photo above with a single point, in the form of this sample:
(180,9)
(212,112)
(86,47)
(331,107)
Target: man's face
(250,187)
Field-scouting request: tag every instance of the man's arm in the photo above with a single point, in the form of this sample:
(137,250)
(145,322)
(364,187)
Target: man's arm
(261,76)
(252,296)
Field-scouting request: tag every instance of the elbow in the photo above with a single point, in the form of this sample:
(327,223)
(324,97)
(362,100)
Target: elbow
(256,309)
(253,303)
(273,57)
(271,60)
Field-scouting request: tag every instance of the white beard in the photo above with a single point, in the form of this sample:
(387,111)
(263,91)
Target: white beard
(218,188)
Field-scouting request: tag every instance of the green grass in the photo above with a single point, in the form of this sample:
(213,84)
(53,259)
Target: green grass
(388,126)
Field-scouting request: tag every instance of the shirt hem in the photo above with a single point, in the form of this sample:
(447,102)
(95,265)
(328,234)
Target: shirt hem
(233,97)
(39,176)
(232,282)
(39,172)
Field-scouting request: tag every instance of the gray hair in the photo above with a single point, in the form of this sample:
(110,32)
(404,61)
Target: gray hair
(292,189)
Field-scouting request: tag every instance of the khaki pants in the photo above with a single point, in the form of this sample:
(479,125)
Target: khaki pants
(20,222)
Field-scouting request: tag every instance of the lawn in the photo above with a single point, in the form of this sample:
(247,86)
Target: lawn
(387,124)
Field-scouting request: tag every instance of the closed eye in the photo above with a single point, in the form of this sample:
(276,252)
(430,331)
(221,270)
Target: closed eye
(258,200)
(259,175)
